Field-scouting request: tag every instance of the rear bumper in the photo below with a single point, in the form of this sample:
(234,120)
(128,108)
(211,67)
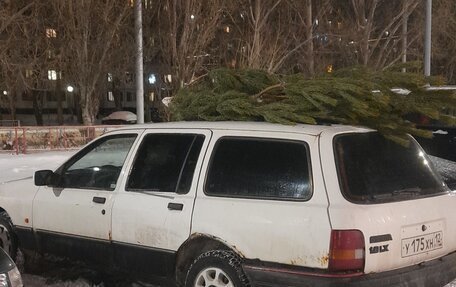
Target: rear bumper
(435,273)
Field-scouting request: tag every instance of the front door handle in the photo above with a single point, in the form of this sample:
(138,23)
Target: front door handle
(175,206)
(100,200)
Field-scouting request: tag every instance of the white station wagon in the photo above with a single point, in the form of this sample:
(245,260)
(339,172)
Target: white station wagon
(242,204)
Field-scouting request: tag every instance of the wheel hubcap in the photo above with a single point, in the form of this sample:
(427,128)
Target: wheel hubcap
(213,277)
(5,239)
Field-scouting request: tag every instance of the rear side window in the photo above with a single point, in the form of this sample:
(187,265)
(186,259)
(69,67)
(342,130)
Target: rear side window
(259,168)
(374,169)
(165,162)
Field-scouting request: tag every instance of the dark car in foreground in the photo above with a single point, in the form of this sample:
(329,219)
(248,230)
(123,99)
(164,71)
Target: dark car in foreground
(9,274)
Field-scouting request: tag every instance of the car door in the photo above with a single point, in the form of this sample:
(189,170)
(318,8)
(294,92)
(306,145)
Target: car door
(152,215)
(73,217)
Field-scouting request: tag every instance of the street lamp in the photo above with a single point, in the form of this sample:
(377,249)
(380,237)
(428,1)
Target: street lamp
(5,93)
(70,89)
(151,79)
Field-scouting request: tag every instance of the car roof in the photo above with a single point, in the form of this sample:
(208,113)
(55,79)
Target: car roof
(250,126)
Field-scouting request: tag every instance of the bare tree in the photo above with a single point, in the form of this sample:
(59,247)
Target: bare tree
(277,36)
(373,29)
(18,49)
(264,39)
(444,39)
(90,31)
(185,31)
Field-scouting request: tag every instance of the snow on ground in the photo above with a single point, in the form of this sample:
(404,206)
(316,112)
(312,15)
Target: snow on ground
(14,167)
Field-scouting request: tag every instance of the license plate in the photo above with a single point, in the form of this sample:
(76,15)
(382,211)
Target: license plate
(422,244)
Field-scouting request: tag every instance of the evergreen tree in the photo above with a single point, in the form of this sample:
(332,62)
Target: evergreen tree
(354,96)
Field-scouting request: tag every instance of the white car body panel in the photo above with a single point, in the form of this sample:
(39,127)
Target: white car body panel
(402,219)
(72,211)
(144,218)
(260,228)
(16,198)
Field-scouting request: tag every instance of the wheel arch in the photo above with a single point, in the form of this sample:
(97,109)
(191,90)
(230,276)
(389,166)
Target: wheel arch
(195,245)
(3,210)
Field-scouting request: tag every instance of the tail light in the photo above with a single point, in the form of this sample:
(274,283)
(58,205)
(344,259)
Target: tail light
(347,250)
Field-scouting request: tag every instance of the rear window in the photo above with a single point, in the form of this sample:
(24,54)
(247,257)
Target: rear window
(374,169)
(260,168)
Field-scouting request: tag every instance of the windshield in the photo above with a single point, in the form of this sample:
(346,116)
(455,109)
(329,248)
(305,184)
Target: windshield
(374,169)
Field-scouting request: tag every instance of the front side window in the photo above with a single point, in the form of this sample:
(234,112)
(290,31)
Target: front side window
(98,166)
(374,169)
(166,163)
(260,168)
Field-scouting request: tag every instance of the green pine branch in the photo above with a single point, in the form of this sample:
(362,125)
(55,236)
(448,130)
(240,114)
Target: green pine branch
(354,96)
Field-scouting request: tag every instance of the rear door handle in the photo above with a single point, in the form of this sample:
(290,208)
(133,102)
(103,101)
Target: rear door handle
(100,200)
(175,206)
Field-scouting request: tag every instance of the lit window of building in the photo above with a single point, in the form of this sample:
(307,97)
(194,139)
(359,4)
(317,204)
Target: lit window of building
(50,54)
(28,73)
(151,96)
(110,96)
(51,33)
(109,77)
(227,29)
(147,4)
(53,75)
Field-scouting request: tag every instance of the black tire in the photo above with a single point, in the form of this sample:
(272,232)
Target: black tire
(224,260)
(8,241)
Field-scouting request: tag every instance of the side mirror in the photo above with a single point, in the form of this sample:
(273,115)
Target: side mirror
(45,177)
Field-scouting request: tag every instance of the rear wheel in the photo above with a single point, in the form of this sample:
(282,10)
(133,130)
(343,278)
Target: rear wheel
(8,240)
(217,268)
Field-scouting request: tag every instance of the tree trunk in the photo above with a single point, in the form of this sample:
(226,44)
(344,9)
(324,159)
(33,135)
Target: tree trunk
(147,117)
(117,94)
(77,110)
(12,107)
(59,95)
(87,118)
(117,100)
(37,108)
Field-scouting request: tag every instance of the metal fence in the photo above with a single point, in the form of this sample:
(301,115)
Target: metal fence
(31,139)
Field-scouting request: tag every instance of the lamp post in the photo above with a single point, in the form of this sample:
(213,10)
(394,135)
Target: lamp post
(427,39)
(139,63)
(70,100)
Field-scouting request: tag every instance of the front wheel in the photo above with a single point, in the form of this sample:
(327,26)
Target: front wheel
(217,268)
(7,239)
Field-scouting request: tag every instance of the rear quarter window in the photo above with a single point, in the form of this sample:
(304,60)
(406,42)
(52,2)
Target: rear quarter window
(260,168)
(373,169)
